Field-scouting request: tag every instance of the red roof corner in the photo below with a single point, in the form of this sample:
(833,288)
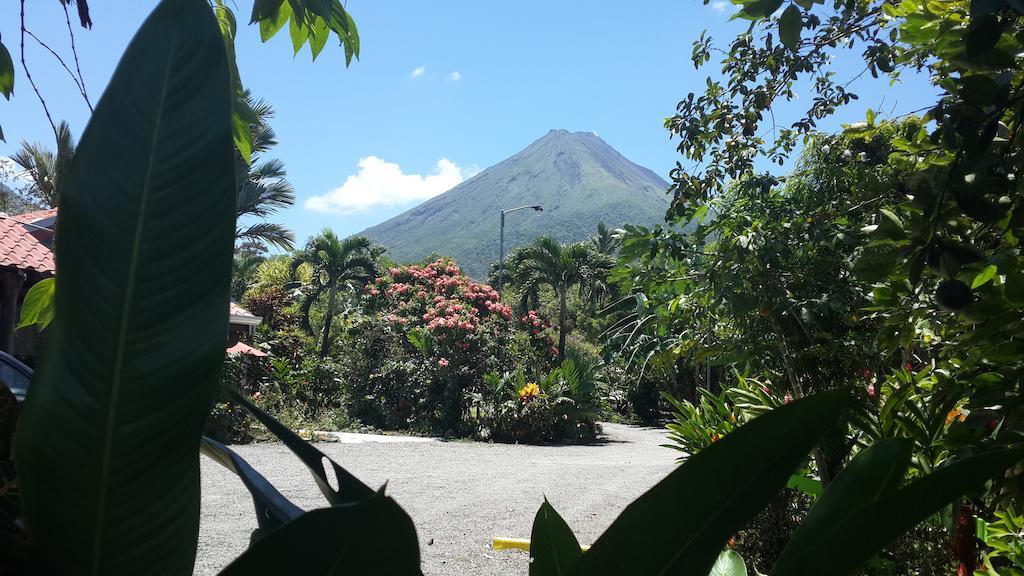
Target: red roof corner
(21,250)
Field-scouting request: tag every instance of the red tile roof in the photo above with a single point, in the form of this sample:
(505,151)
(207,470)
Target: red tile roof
(21,250)
(32,217)
(243,348)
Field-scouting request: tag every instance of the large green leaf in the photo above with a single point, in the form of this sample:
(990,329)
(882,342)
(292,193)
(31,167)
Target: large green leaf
(38,306)
(683,522)
(553,547)
(264,9)
(6,72)
(872,474)
(372,536)
(851,537)
(273,510)
(790,25)
(108,438)
(350,489)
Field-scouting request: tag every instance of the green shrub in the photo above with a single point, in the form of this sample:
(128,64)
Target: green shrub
(527,422)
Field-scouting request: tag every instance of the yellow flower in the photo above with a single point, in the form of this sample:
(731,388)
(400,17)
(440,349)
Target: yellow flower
(529,392)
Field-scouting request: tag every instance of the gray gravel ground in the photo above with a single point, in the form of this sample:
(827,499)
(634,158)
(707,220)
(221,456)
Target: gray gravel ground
(460,494)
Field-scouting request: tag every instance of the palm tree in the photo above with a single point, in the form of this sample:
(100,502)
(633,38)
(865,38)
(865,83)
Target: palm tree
(47,169)
(243,269)
(262,187)
(545,262)
(606,241)
(336,264)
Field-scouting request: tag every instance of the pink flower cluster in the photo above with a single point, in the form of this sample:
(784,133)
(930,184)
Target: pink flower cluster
(459,313)
(539,330)
(451,314)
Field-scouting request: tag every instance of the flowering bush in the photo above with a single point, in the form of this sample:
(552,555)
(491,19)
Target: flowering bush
(459,316)
(430,335)
(561,406)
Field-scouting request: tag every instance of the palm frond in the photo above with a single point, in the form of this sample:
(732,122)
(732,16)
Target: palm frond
(268,233)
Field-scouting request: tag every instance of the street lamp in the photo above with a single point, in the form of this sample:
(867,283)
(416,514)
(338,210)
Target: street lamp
(501,249)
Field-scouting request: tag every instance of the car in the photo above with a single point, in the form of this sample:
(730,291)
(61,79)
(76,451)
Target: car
(15,374)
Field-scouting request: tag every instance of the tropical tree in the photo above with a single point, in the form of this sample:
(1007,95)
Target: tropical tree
(47,168)
(243,271)
(606,241)
(545,262)
(262,187)
(336,264)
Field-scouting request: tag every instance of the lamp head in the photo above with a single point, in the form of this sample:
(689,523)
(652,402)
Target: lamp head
(538,208)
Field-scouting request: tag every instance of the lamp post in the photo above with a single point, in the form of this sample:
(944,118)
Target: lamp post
(501,243)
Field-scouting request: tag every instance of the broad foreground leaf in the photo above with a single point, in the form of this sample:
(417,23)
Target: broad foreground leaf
(350,489)
(874,473)
(372,536)
(273,510)
(553,547)
(107,442)
(851,537)
(681,525)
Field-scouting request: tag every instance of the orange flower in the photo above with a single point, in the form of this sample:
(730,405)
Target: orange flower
(955,414)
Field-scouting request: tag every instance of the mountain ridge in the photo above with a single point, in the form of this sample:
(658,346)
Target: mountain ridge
(577,177)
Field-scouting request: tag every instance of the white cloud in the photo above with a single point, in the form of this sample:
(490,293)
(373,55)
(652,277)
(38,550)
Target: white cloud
(416,73)
(379,183)
(720,6)
(455,76)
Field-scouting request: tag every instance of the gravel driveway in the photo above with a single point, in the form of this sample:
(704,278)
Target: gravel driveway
(460,494)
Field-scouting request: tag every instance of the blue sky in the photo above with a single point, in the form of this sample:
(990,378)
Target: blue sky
(443,89)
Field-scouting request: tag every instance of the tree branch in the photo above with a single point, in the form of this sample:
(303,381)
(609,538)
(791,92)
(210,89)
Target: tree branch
(74,52)
(28,74)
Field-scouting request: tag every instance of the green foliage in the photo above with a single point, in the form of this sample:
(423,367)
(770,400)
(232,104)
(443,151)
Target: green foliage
(309,22)
(862,511)
(139,333)
(48,169)
(720,488)
(553,546)
(138,337)
(37,308)
(262,187)
(425,339)
(6,77)
(545,262)
(370,536)
(694,429)
(1005,537)
(933,236)
(336,265)
(563,405)
(6,72)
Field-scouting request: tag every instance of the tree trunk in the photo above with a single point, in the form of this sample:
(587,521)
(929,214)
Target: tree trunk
(824,469)
(325,342)
(561,324)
